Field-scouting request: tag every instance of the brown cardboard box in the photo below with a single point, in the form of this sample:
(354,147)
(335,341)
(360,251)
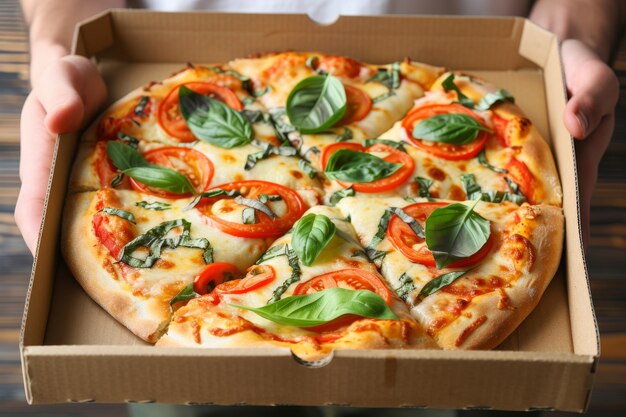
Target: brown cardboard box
(73,351)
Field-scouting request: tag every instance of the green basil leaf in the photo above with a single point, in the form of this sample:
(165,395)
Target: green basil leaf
(218,192)
(131,141)
(397,145)
(213,121)
(338,195)
(324,306)
(424,185)
(268,150)
(163,178)
(482,159)
(316,103)
(141,106)
(245,81)
(453,128)
(311,235)
(307,168)
(296,272)
(264,198)
(346,135)
(354,166)
(449,85)
(124,156)
(410,221)
(406,286)
(256,205)
(390,79)
(117,180)
(375,254)
(438,283)
(455,232)
(248,216)
(383,223)
(153,205)
(186,294)
(119,213)
(259,93)
(472,189)
(490,99)
(273,252)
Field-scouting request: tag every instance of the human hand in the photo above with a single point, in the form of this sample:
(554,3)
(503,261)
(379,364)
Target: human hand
(589,115)
(66,93)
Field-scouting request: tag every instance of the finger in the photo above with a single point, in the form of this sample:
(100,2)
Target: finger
(593,87)
(70,91)
(35,160)
(588,155)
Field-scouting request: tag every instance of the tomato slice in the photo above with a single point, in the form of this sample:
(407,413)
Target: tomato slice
(383,184)
(499,127)
(212,275)
(445,150)
(104,167)
(257,276)
(172,121)
(358,105)
(189,162)
(265,226)
(521,175)
(405,240)
(109,127)
(340,66)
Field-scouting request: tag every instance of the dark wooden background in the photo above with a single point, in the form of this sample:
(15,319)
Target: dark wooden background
(606,256)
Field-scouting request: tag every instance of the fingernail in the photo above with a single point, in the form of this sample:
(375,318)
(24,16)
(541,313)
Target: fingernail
(584,122)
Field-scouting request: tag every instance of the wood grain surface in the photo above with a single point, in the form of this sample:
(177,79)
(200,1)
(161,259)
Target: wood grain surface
(606,258)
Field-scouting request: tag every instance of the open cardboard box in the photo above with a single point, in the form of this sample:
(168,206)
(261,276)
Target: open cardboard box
(74,351)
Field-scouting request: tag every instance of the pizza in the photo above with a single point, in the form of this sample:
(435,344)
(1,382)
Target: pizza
(315,202)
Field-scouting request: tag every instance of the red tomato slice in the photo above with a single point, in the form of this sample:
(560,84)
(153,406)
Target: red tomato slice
(444,150)
(212,275)
(521,175)
(104,167)
(189,162)
(358,105)
(340,66)
(404,239)
(265,226)
(113,232)
(258,276)
(384,184)
(109,127)
(172,121)
(499,127)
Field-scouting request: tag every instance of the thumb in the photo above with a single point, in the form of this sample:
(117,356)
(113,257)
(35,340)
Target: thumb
(593,89)
(70,91)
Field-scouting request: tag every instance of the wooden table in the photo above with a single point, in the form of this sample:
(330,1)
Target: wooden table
(606,257)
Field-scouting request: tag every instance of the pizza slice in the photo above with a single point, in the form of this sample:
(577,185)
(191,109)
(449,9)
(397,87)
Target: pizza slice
(470,271)
(312,291)
(133,252)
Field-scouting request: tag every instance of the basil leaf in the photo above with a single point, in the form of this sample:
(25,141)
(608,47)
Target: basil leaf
(354,166)
(490,99)
(424,185)
(438,283)
(346,135)
(324,306)
(306,167)
(472,189)
(406,286)
(119,213)
(375,254)
(316,103)
(131,141)
(410,221)
(449,85)
(482,159)
(248,216)
(153,205)
(338,195)
(453,128)
(163,178)
(255,116)
(383,223)
(274,252)
(455,232)
(397,145)
(256,205)
(117,180)
(245,81)
(141,106)
(294,263)
(259,93)
(311,235)
(213,121)
(264,198)
(268,150)
(124,156)
(218,192)
(186,294)
(391,80)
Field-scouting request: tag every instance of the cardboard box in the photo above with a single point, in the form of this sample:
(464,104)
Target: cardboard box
(74,351)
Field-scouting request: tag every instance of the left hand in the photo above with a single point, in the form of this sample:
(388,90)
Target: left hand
(589,115)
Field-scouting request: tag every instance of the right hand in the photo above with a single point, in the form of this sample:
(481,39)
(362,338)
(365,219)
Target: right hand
(66,94)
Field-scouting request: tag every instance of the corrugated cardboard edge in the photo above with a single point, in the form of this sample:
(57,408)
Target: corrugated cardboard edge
(38,299)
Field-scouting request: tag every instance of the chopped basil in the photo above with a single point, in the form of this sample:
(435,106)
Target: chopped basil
(153,205)
(410,221)
(514,188)
(130,162)
(248,216)
(264,198)
(292,259)
(482,159)
(452,128)
(141,106)
(455,232)
(117,180)
(316,103)
(256,205)
(390,79)
(406,286)
(255,116)
(424,186)
(155,239)
(259,93)
(472,189)
(338,195)
(119,213)
(245,81)
(375,254)
(490,99)
(346,135)
(439,282)
(280,250)
(346,236)
(311,235)
(129,140)
(247,101)
(324,306)
(307,168)
(268,150)
(383,224)
(397,145)
(186,294)
(217,192)
(354,166)
(449,85)
(213,121)
(281,128)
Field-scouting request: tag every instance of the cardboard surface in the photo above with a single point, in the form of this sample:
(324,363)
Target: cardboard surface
(547,363)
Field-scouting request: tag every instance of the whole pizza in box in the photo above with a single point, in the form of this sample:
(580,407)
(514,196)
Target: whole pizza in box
(315,202)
